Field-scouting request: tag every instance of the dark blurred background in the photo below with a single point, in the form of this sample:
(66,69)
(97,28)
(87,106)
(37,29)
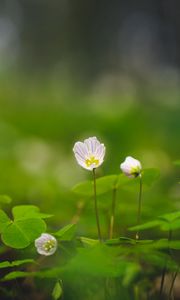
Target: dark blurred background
(74,69)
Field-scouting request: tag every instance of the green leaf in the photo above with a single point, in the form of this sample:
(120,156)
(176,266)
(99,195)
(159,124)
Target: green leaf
(20,233)
(4,220)
(99,260)
(16,274)
(170,217)
(104,184)
(120,240)
(4,199)
(15,263)
(147,225)
(177,162)
(66,233)
(27,212)
(84,188)
(57,290)
(149,176)
(88,242)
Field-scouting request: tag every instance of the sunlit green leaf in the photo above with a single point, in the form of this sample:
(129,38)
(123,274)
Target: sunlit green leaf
(27,212)
(4,220)
(20,233)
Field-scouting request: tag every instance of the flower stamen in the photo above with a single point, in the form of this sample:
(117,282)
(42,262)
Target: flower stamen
(91,161)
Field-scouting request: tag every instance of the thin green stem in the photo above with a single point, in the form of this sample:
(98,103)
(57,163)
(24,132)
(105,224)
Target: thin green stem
(95,207)
(111,228)
(139,205)
(165,267)
(172,284)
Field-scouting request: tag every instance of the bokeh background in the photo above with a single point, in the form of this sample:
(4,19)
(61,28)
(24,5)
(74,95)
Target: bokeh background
(74,69)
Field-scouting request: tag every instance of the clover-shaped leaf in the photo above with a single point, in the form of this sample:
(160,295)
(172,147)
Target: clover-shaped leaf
(26,226)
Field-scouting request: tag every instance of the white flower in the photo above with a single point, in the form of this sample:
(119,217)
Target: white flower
(46,244)
(90,153)
(131,167)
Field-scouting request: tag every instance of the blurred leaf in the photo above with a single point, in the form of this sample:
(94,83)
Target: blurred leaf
(104,184)
(66,233)
(147,225)
(20,233)
(170,217)
(4,220)
(120,240)
(27,211)
(8,264)
(166,222)
(131,272)
(149,176)
(4,199)
(57,290)
(88,242)
(177,162)
(16,274)
(99,260)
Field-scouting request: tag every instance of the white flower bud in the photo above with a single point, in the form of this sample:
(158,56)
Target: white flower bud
(131,167)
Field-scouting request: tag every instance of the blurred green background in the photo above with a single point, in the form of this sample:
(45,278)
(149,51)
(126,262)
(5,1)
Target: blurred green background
(74,69)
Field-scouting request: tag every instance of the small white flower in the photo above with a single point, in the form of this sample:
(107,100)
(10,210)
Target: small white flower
(90,153)
(131,167)
(46,244)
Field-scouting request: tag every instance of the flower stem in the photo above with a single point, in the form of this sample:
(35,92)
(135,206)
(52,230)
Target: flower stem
(165,267)
(139,205)
(172,284)
(112,213)
(95,207)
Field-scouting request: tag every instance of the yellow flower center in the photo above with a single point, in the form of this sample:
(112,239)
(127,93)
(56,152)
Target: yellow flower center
(91,161)
(49,245)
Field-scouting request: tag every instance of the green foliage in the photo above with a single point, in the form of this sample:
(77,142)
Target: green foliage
(165,222)
(57,290)
(25,227)
(110,182)
(16,274)
(4,199)
(66,233)
(15,263)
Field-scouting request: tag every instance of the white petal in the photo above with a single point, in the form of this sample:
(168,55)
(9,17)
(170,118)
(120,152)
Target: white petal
(81,149)
(100,152)
(92,143)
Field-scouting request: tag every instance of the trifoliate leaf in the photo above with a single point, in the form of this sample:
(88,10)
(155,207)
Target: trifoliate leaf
(4,220)
(20,233)
(27,212)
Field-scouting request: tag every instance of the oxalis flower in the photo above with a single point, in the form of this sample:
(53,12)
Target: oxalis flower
(131,167)
(46,244)
(90,153)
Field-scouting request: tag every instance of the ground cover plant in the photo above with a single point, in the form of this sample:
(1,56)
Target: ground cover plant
(109,262)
